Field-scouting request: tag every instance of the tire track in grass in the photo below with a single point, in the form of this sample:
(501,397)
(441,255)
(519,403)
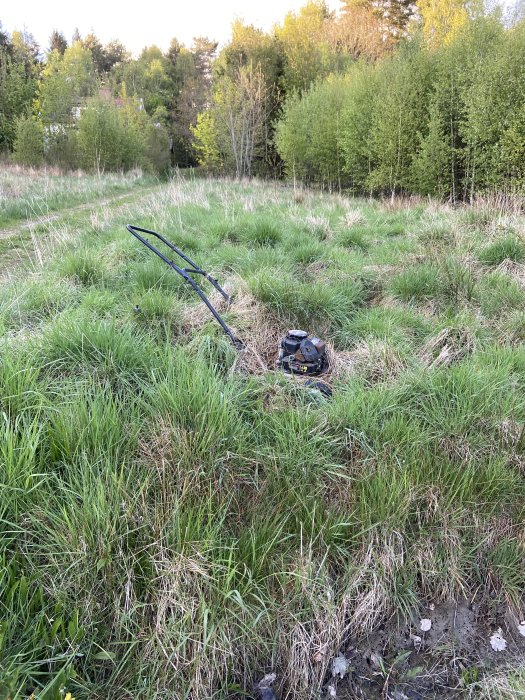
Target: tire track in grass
(18,228)
(15,240)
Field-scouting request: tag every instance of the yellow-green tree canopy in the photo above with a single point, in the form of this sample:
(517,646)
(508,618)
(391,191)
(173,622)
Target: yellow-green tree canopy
(443,20)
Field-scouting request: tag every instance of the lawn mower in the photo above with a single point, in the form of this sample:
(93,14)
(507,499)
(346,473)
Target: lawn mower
(298,354)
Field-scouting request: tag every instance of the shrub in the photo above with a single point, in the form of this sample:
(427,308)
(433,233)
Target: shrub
(157,149)
(29,142)
(117,138)
(307,135)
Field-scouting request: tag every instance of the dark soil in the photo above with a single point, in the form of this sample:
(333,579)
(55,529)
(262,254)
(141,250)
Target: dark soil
(404,663)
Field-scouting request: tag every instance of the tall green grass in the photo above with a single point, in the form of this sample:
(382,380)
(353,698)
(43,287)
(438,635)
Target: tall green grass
(33,194)
(172,526)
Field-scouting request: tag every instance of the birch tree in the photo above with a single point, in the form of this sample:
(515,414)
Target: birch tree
(238,120)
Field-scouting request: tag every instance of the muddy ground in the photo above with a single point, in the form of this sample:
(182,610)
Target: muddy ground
(405,663)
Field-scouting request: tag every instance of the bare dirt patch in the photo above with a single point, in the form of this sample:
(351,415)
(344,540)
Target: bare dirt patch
(446,661)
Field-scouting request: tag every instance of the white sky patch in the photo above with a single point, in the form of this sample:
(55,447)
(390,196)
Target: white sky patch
(143,24)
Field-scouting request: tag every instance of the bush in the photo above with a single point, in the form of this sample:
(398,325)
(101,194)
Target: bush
(108,137)
(29,142)
(307,135)
(157,154)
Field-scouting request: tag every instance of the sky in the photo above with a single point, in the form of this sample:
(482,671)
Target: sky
(138,24)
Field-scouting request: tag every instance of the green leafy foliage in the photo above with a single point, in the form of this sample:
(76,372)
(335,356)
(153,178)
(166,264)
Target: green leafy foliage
(28,148)
(440,121)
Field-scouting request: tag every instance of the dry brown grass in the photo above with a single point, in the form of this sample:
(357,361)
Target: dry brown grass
(353,217)
(513,269)
(376,361)
(262,332)
(500,203)
(448,346)
(399,203)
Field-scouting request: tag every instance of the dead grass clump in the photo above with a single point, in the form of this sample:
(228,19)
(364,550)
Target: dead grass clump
(10,190)
(312,641)
(501,203)
(376,361)
(320,226)
(182,581)
(341,363)
(457,448)
(369,590)
(316,268)
(505,685)
(180,193)
(260,332)
(101,219)
(399,203)
(197,315)
(434,206)
(448,346)
(249,204)
(299,196)
(513,269)
(173,480)
(353,217)
(249,320)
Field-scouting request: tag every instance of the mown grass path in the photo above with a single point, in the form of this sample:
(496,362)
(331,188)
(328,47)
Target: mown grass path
(30,222)
(16,239)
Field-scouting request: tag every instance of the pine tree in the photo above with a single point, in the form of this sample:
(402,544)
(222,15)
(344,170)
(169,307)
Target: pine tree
(57,42)
(92,43)
(393,15)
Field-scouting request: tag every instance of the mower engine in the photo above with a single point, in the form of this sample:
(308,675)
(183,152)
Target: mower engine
(302,354)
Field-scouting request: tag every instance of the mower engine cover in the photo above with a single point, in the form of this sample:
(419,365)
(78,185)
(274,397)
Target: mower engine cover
(300,353)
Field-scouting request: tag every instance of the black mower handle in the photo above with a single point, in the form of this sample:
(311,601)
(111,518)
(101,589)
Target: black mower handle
(186,274)
(194,267)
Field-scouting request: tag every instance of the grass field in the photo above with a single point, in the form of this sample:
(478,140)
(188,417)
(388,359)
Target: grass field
(177,520)
(42,192)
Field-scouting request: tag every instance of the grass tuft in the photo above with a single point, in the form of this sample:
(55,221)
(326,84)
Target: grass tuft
(262,232)
(83,267)
(509,248)
(418,284)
